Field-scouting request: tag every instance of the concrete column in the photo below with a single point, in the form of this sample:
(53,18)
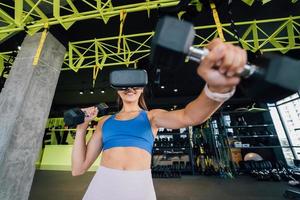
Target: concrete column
(25,103)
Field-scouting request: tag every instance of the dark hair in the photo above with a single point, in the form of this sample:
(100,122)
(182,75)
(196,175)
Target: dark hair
(141,103)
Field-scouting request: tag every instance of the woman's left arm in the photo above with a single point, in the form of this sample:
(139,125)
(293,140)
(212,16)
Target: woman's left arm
(218,69)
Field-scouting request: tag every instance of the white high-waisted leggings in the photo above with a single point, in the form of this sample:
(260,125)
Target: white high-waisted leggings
(114,184)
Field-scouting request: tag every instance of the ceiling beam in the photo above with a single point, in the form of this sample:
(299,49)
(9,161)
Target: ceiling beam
(256,36)
(280,34)
(33,20)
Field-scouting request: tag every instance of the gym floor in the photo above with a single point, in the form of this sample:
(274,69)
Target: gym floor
(55,185)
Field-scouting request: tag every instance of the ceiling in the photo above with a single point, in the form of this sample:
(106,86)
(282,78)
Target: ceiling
(184,79)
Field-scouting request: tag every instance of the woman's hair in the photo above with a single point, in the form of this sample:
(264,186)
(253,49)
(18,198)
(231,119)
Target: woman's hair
(141,102)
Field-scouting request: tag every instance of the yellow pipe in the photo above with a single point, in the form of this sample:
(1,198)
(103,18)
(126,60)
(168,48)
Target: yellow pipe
(217,20)
(123,15)
(41,45)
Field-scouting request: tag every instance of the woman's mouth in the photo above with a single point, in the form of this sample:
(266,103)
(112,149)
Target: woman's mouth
(129,93)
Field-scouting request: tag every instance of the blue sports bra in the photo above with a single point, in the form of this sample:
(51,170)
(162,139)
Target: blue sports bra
(134,132)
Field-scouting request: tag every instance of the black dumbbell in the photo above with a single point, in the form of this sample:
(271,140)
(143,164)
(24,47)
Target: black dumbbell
(165,142)
(159,143)
(263,165)
(176,165)
(188,166)
(172,45)
(269,164)
(275,175)
(156,143)
(182,165)
(171,142)
(168,142)
(182,143)
(76,116)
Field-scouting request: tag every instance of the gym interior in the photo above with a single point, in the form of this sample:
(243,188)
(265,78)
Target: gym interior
(57,56)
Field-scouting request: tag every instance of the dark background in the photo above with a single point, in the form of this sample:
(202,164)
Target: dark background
(184,79)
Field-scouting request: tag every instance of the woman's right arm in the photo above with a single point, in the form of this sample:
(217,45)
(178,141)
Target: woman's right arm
(84,155)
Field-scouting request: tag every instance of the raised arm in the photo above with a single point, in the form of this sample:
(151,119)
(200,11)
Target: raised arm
(84,155)
(218,69)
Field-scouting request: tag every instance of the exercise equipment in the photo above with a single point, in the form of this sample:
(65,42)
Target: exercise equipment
(122,79)
(76,116)
(252,156)
(291,194)
(172,45)
(264,170)
(171,171)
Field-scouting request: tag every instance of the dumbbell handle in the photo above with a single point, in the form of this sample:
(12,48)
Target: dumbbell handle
(102,107)
(76,116)
(198,54)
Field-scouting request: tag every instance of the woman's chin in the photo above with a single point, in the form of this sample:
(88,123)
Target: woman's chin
(130,100)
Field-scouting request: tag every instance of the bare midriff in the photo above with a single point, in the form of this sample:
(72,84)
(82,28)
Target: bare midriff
(126,158)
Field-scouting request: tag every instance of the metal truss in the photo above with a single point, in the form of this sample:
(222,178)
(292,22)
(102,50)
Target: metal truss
(112,51)
(6,61)
(250,2)
(32,15)
(282,34)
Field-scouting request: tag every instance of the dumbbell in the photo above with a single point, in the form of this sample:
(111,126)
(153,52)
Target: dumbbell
(182,165)
(165,141)
(160,143)
(176,165)
(188,166)
(171,142)
(275,175)
(155,144)
(172,45)
(76,116)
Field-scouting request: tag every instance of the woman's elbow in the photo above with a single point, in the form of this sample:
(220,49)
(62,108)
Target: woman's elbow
(77,172)
(195,121)
(74,173)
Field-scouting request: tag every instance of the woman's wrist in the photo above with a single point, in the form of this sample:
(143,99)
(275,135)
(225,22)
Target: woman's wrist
(82,127)
(220,89)
(219,94)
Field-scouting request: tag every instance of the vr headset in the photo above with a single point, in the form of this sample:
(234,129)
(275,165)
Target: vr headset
(129,78)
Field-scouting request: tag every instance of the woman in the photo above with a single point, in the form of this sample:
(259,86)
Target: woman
(126,138)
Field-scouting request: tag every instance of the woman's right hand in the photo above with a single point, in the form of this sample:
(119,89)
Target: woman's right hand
(90,114)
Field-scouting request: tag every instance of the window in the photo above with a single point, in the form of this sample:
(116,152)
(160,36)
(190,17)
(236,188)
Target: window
(286,116)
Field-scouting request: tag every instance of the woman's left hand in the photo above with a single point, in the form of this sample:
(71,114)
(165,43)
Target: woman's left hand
(220,66)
